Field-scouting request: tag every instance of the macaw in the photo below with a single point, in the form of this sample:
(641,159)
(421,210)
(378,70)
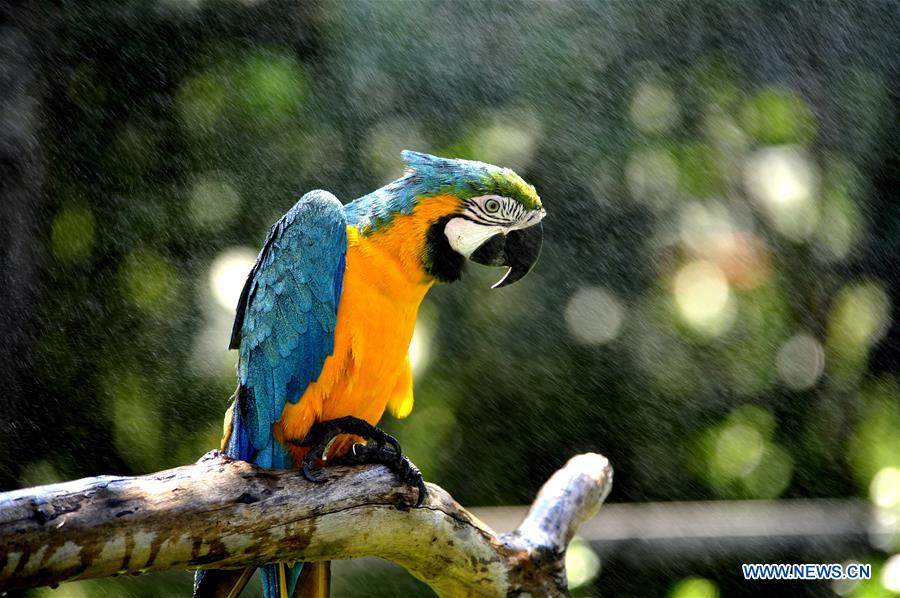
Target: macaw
(325,319)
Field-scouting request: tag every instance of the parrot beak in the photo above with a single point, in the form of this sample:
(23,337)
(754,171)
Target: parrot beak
(518,249)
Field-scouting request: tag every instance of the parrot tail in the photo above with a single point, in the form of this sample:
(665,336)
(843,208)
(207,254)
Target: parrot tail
(280,580)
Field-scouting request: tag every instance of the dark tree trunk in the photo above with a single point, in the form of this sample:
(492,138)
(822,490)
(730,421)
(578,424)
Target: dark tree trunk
(25,37)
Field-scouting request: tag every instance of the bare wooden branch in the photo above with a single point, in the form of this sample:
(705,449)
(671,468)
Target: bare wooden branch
(220,513)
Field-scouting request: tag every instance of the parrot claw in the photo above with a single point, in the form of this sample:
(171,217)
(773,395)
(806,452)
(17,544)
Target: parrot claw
(363,454)
(384,450)
(411,475)
(309,475)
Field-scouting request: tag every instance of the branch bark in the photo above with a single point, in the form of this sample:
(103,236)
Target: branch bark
(220,513)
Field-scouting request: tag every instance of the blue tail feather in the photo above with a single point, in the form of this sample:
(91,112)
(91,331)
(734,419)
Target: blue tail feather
(271,579)
(272,456)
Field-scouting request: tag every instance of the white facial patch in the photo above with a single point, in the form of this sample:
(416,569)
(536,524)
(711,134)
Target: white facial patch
(486,216)
(466,236)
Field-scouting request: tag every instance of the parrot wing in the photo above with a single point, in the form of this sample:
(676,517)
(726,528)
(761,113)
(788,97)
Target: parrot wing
(284,327)
(283,330)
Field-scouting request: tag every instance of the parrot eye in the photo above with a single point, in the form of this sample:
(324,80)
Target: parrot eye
(492,206)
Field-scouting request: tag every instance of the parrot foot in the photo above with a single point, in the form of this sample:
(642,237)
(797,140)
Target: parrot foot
(308,474)
(383,450)
(364,454)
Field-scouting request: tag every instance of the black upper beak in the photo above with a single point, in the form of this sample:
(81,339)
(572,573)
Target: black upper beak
(519,250)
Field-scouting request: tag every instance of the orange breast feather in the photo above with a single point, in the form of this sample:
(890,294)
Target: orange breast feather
(384,283)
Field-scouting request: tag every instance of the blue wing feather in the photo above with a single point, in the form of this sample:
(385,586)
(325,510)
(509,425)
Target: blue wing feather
(284,330)
(286,317)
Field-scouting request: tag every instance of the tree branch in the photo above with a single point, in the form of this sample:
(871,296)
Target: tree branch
(220,513)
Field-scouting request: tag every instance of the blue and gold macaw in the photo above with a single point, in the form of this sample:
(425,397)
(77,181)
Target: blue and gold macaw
(325,319)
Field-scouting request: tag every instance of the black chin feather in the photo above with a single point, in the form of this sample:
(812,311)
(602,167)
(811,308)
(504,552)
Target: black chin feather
(441,261)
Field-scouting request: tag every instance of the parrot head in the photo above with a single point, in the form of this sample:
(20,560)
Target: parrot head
(495,219)
(466,210)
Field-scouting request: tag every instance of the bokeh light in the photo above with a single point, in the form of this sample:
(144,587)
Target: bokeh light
(135,420)
(875,444)
(801,361)
(703,297)
(420,344)
(859,316)
(776,115)
(740,457)
(594,315)
(783,180)
(653,107)
(840,226)
(652,176)
(506,136)
(259,89)
(737,451)
(890,574)
(885,488)
(582,563)
(703,225)
(387,139)
(150,281)
(213,202)
(228,273)
(73,233)
(694,587)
